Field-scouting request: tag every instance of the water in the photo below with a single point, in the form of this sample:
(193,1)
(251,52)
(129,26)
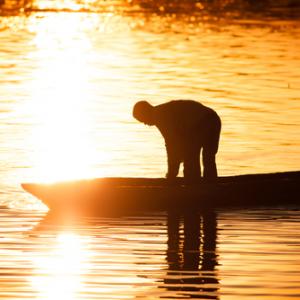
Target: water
(223,255)
(70,73)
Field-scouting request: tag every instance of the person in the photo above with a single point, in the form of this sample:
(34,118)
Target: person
(187,127)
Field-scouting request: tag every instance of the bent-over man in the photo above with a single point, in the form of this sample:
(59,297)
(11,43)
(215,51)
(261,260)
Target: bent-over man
(187,127)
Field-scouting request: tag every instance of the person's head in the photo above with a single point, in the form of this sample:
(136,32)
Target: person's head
(143,111)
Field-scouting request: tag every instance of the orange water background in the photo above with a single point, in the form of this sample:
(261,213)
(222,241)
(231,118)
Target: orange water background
(69,77)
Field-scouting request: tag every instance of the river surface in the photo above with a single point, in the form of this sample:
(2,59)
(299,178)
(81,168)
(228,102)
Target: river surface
(70,72)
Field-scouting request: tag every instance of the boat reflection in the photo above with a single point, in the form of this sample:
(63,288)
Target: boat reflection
(191,255)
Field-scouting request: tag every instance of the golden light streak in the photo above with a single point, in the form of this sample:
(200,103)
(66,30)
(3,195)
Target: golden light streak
(64,147)
(59,274)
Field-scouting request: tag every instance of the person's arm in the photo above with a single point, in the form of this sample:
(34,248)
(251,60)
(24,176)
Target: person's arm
(164,117)
(173,163)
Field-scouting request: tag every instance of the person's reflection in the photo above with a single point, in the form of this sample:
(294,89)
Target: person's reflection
(191,255)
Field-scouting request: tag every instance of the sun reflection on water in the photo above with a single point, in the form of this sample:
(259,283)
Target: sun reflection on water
(59,274)
(74,265)
(61,94)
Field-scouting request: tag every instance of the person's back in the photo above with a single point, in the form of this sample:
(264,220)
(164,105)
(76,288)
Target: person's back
(187,126)
(181,118)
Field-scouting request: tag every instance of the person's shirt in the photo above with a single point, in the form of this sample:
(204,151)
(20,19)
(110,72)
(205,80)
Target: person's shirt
(180,120)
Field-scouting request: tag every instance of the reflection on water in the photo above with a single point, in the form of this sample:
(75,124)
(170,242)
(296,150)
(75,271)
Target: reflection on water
(192,257)
(224,255)
(61,80)
(59,274)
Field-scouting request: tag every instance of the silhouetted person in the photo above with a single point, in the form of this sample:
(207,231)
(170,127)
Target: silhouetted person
(187,127)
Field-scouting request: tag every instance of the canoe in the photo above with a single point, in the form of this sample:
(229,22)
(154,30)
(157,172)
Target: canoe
(145,194)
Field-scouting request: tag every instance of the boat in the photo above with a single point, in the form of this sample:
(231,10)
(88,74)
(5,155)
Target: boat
(123,194)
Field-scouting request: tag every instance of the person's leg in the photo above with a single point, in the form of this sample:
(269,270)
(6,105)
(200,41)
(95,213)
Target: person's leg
(210,147)
(209,164)
(192,168)
(173,162)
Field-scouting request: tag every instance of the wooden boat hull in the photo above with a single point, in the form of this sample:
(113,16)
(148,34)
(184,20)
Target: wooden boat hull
(124,194)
